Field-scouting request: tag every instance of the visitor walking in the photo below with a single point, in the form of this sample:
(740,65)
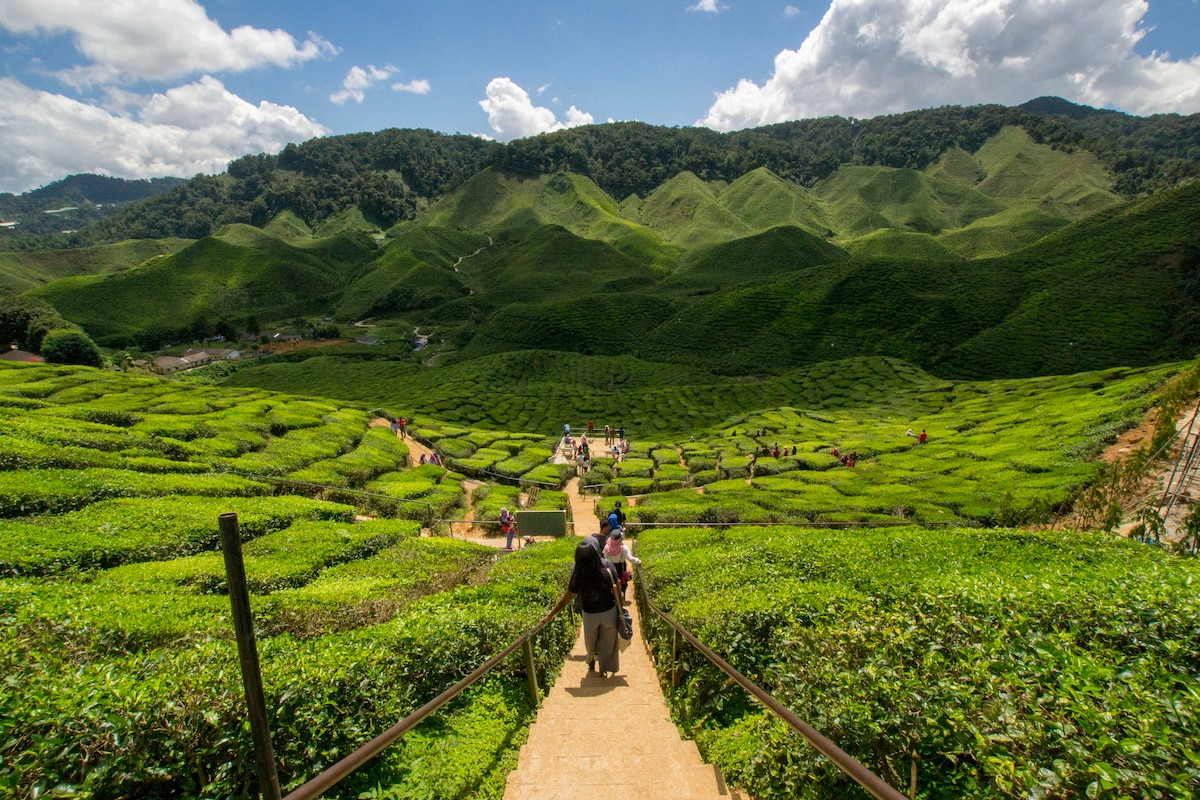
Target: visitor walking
(593,579)
(508,526)
(621,557)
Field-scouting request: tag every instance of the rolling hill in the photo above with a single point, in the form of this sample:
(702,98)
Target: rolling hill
(998,255)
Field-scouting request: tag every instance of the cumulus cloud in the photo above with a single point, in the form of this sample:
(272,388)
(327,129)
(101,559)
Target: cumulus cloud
(194,128)
(420,86)
(871,57)
(711,6)
(154,39)
(512,114)
(358,80)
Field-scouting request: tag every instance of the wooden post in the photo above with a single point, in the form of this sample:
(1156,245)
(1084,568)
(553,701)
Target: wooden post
(531,672)
(674,657)
(243,623)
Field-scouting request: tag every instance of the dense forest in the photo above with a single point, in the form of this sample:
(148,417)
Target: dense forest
(392,174)
(76,201)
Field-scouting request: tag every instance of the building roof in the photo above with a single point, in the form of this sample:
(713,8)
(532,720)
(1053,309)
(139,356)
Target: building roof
(22,356)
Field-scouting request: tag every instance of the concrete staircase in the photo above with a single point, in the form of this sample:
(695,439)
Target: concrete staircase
(610,737)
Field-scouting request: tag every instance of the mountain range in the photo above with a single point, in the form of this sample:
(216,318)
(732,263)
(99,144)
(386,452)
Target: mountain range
(999,243)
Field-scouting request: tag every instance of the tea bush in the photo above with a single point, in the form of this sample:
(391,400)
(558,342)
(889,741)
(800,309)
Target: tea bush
(112,532)
(999,662)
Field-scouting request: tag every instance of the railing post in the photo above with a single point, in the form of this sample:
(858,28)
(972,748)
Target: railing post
(530,672)
(674,657)
(243,623)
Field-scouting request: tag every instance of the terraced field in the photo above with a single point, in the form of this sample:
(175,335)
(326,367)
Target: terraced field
(116,640)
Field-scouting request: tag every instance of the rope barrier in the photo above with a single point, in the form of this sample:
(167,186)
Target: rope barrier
(325,487)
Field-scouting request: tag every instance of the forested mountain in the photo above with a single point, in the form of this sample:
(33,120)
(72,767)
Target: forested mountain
(974,243)
(72,203)
(392,175)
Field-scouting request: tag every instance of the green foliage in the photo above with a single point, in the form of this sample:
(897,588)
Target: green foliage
(70,346)
(173,716)
(1001,662)
(111,532)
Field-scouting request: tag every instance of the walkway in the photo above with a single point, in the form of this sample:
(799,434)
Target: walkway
(583,509)
(610,737)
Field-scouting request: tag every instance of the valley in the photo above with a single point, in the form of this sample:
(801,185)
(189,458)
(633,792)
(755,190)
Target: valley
(974,614)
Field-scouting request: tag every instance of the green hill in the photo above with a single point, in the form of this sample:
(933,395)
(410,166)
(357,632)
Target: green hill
(763,200)
(688,212)
(863,199)
(772,254)
(20,271)
(1115,288)
(889,243)
(253,273)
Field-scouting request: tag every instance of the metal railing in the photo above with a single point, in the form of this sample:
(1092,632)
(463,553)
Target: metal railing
(844,761)
(255,699)
(321,783)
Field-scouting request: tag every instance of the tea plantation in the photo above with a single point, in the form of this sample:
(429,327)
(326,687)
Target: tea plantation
(1000,662)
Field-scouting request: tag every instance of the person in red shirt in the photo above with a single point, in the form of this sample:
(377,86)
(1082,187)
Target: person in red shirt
(923,437)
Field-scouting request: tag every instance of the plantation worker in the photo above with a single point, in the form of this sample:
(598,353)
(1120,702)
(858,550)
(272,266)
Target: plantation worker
(923,437)
(617,552)
(593,580)
(508,526)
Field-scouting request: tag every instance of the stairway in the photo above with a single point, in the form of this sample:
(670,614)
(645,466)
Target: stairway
(610,737)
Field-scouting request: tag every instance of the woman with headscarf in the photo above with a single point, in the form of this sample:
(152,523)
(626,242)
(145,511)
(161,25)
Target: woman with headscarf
(592,580)
(621,557)
(508,526)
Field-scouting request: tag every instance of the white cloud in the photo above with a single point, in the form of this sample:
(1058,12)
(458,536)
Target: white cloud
(194,128)
(871,57)
(513,115)
(791,11)
(419,86)
(154,39)
(711,6)
(358,80)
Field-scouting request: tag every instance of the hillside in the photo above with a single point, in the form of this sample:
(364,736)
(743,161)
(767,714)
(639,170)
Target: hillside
(1000,251)
(69,204)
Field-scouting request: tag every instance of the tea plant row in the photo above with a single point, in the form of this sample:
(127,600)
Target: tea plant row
(984,663)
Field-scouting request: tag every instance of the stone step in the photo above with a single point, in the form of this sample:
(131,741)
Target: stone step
(701,782)
(610,736)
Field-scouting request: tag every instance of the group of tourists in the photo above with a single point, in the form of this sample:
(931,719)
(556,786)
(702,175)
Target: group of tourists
(616,446)
(598,580)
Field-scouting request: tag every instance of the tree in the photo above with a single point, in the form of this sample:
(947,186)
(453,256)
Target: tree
(15,315)
(71,346)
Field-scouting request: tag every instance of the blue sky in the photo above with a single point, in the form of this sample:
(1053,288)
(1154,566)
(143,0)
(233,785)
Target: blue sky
(144,88)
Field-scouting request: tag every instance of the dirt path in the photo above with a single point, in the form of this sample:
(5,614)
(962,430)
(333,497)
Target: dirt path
(1156,485)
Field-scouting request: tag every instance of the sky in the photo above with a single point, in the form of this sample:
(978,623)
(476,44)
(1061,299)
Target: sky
(150,88)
